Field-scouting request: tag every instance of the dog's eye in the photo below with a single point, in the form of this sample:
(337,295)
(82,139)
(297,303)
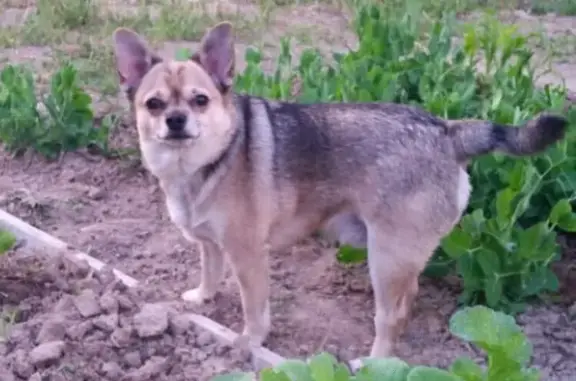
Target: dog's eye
(155,104)
(201,100)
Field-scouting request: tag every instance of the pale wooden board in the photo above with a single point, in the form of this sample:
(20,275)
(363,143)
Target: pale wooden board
(262,357)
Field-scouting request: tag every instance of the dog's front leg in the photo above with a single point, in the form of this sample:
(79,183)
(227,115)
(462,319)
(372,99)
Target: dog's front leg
(211,273)
(250,265)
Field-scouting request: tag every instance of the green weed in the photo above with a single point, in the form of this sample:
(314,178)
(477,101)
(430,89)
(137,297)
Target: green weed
(7,241)
(561,7)
(507,348)
(69,14)
(52,124)
(8,318)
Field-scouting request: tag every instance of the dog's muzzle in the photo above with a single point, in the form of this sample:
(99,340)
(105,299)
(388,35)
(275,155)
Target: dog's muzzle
(176,123)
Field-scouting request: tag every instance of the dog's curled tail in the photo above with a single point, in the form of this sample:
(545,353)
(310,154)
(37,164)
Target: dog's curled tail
(476,137)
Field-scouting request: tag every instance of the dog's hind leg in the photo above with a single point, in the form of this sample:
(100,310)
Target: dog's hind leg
(395,261)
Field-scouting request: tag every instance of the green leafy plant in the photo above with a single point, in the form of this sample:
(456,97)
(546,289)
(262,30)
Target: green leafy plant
(61,121)
(503,262)
(404,56)
(507,349)
(7,241)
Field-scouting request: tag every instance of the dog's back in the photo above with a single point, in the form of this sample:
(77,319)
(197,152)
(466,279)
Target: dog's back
(241,174)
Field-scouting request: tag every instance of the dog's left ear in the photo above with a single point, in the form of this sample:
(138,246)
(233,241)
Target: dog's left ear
(133,59)
(216,55)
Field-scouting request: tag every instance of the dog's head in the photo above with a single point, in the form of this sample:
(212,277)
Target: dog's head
(180,103)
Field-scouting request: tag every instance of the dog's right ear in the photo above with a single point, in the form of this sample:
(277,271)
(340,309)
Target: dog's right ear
(133,59)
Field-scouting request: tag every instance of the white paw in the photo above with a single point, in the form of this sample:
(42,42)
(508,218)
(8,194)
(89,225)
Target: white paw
(196,296)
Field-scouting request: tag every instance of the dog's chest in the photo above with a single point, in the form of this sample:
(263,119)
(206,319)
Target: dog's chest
(181,202)
(189,206)
(180,209)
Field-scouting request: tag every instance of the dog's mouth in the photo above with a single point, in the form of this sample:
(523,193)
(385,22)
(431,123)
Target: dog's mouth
(176,136)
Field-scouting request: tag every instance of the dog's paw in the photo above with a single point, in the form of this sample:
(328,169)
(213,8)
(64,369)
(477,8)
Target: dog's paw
(196,296)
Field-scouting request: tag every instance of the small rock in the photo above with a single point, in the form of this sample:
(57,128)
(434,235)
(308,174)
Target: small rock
(109,303)
(121,337)
(150,370)
(97,335)
(82,268)
(18,333)
(572,311)
(58,377)
(125,303)
(47,352)
(78,331)
(35,377)
(180,324)
(89,283)
(96,193)
(151,321)
(118,286)
(65,305)
(105,275)
(112,370)
(203,339)
(434,323)
(94,348)
(6,374)
(133,359)
(563,334)
(106,323)
(358,285)
(198,354)
(20,365)
(554,359)
(87,304)
(52,330)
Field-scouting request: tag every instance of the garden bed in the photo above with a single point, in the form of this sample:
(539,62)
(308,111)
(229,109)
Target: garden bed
(115,212)
(66,322)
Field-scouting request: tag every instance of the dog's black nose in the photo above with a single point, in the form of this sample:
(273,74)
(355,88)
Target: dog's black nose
(176,121)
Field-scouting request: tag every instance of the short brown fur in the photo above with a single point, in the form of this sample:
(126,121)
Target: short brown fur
(242,175)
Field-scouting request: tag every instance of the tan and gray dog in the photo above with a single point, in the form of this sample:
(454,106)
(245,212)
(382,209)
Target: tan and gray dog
(243,175)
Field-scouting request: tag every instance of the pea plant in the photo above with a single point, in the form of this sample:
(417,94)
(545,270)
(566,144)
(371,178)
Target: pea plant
(507,351)
(61,120)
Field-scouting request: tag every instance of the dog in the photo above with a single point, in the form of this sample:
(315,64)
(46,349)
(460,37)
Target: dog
(244,175)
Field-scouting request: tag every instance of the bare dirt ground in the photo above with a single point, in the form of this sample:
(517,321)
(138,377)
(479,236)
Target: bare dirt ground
(69,323)
(114,210)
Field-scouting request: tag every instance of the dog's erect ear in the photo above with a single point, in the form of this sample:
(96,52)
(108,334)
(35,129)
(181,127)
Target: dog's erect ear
(216,55)
(133,58)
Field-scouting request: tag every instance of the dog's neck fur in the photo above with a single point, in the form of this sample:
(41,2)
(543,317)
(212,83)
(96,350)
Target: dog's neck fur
(198,190)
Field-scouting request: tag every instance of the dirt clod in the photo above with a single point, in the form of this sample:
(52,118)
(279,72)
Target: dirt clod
(151,321)
(47,352)
(6,375)
(107,323)
(104,333)
(112,370)
(87,303)
(52,329)
(20,365)
(109,302)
